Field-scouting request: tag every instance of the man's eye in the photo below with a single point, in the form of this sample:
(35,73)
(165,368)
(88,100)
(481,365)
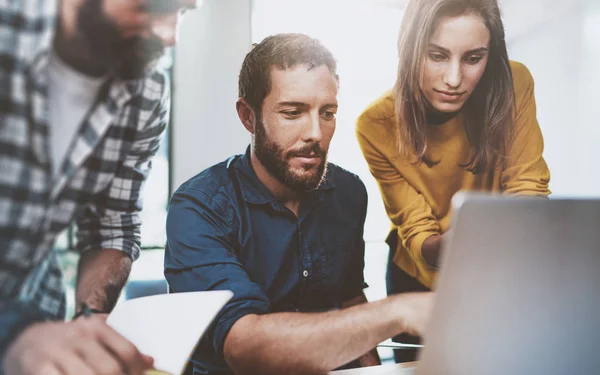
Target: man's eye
(329,115)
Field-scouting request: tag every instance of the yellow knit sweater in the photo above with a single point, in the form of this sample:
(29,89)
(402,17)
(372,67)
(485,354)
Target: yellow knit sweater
(418,198)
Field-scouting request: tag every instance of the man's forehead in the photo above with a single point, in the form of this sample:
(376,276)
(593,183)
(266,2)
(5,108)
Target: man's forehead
(308,89)
(303,79)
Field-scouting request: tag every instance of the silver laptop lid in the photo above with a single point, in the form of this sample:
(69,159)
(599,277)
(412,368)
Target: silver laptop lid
(518,292)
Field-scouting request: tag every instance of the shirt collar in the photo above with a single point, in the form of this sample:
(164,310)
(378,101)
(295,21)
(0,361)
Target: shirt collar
(255,192)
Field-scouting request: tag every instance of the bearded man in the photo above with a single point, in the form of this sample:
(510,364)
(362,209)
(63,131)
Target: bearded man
(283,229)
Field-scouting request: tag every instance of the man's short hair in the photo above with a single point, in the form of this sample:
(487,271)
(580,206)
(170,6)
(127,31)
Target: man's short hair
(283,51)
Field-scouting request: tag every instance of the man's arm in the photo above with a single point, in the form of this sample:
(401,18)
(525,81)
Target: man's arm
(315,343)
(101,276)
(109,230)
(200,255)
(372,357)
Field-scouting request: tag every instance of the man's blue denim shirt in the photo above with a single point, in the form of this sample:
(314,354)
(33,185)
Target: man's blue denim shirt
(226,231)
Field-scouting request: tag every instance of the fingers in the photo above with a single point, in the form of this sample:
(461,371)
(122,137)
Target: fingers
(72,364)
(148,361)
(131,359)
(86,346)
(99,359)
(49,369)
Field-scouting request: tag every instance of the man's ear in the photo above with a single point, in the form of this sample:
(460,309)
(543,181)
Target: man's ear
(246,115)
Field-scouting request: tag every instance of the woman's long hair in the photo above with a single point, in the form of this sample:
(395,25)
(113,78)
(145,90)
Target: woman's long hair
(488,113)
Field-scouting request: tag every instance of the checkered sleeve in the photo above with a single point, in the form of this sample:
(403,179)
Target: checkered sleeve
(113,220)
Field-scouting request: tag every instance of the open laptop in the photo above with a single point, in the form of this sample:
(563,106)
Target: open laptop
(519,290)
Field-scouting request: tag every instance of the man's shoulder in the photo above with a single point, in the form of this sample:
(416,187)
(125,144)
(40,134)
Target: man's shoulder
(159,77)
(154,85)
(148,105)
(349,198)
(345,180)
(208,184)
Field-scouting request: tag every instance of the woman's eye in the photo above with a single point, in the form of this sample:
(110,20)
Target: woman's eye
(474,59)
(437,57)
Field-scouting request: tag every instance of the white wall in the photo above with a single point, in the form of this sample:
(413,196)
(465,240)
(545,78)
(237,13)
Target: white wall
(562,51)
(206,129)
(558,40)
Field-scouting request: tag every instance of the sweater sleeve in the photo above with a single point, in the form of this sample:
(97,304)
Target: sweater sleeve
(405,206)
(525,171)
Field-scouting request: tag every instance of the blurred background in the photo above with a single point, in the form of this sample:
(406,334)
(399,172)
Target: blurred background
(559,41)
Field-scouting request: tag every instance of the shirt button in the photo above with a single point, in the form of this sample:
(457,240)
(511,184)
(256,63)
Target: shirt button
(305,273)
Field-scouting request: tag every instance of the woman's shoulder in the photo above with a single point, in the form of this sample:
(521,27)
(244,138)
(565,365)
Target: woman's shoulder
(522,78)
(379,116)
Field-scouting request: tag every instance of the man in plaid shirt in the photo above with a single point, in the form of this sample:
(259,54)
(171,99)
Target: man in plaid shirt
(82,111)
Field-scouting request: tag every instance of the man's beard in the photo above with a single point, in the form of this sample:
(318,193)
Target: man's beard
(276,162)
(131,57)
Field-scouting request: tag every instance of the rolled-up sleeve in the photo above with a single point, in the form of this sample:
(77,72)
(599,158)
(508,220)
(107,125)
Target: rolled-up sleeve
(112,220)
(201,255)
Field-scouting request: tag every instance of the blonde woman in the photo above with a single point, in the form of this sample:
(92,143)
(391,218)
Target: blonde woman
(461,116)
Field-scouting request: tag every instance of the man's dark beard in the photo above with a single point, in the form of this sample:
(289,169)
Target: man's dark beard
(129,56)
(276,161)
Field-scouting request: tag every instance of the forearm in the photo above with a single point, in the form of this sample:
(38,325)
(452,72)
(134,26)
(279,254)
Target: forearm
(372,357)
(301,343)
(101,276)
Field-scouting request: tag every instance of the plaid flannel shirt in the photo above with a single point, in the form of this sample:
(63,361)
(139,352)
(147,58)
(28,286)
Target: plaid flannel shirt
(100,181)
